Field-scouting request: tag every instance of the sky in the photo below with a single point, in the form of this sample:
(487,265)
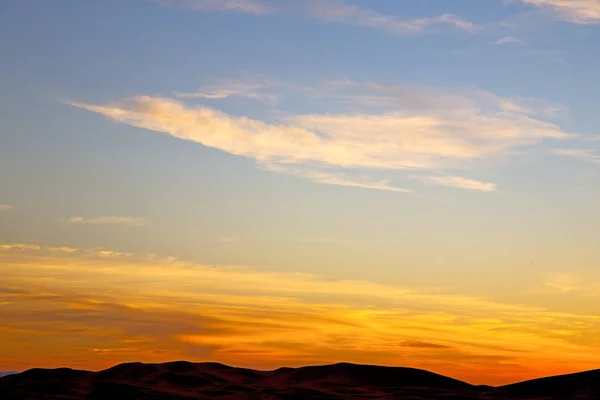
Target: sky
(269,183)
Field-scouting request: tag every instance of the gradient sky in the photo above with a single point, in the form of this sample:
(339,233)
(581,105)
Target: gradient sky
(292,182)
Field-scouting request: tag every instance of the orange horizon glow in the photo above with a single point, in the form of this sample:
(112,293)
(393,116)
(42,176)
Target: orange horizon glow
(92,310)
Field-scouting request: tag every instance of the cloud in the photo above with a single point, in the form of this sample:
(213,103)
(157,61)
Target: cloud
(330,11)
(582,154)
(223,90)
(236,6)
(461,183)
(415,99)
(406,128)
(5,207)
(563,283)
(571,284)
(107,253)
(19,246)
(113,307)
(337,11)
(510,40)
(576,11)
(331,178)
(63,249)
(424,345)
(113,220)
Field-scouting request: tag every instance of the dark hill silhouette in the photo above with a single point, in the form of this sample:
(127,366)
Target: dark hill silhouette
(370,376)
(61,374)
(571,386)
(183,380)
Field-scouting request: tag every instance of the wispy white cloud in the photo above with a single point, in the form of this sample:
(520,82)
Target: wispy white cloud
(106,253)
(333,178)
(417,99)
(335,11)
(563,283)
(223,90)
(408,128)
(112,220)
(509,40)
(582,154)
(237,6)
(5,207)
(63,249)
(461,183)
(60,250)
(19,246)
(576,11)
(578,284)
(408,139)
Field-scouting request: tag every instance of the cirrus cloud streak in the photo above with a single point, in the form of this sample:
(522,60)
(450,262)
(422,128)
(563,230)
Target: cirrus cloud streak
(461,183)
(408,129)
(589,155)
(576,11)
(236,6)
(335,11)
(112,220)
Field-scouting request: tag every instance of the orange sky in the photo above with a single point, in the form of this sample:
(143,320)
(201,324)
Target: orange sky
(92,309)
(269,183)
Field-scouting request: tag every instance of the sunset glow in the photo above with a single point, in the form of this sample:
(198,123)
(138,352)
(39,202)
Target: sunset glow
(94,309)
(268,183)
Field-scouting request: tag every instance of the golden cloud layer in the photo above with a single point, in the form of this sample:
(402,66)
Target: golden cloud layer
(63,306)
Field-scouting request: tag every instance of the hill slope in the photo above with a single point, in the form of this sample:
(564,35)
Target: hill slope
(572,386)
(186,381)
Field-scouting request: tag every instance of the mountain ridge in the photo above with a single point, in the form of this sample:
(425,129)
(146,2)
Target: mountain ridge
(184,380)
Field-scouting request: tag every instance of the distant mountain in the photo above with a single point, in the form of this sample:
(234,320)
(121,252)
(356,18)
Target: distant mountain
(582,385)
(188,381)
(8,373)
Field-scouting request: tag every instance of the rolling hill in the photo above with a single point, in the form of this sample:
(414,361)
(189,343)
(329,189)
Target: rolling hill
(183,380)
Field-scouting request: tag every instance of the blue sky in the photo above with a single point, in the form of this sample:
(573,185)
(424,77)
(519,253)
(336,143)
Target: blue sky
(96,53)
(318,66)
(450,145)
